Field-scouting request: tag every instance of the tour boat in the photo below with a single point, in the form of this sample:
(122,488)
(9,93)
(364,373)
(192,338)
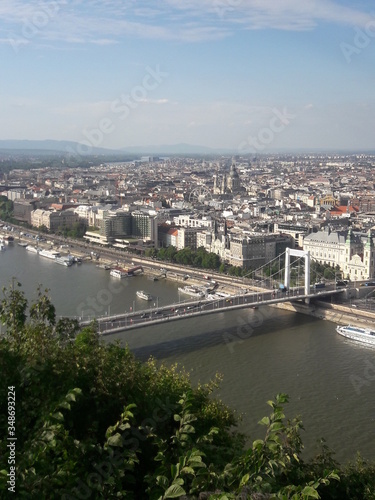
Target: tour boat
(144,295)
(365,335)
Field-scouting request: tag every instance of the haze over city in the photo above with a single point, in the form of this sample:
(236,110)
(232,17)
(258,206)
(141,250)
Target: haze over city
(238,74)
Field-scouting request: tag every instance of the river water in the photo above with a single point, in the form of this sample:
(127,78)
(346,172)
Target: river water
(330,380)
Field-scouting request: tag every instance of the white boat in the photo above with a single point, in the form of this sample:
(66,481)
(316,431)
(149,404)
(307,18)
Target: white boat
(64,261)
(31,248)
(117,272)
(365,335)
(144,295)
(2,245)
(193,291)
(50,254)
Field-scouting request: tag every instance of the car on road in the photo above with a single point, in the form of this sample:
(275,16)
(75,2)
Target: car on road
(341,283)
(319,285)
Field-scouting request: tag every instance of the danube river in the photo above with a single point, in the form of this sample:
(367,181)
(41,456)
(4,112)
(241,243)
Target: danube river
(330,380)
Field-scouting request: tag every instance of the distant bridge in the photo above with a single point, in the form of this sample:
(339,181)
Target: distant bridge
(192,309)
(255,292)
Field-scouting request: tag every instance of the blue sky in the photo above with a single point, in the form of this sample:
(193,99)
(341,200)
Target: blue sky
(250,75)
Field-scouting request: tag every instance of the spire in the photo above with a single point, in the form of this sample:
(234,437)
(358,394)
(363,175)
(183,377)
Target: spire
(369,242)
(349,237)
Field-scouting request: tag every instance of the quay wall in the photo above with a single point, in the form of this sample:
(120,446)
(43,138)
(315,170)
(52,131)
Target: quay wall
(336,313)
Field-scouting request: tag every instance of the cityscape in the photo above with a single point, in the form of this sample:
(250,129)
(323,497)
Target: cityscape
(246,211)
(203,175)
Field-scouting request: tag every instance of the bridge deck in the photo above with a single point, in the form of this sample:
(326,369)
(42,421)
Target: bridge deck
(191,309)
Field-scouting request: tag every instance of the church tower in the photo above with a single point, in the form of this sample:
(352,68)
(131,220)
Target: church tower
(369,255)
(234,184)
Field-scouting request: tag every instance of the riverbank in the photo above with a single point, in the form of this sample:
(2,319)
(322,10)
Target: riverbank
(335,313)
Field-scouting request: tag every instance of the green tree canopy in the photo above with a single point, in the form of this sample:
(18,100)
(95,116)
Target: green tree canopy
(93,422)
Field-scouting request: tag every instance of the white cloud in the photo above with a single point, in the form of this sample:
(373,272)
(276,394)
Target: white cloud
(109,21)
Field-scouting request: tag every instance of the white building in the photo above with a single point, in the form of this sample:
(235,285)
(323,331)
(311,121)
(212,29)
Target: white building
(352,251)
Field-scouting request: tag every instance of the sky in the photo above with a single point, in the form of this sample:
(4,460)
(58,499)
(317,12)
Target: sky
(248,75)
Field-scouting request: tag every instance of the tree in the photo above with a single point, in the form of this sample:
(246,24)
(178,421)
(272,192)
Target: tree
(13,309)
(222,268)
(93,422)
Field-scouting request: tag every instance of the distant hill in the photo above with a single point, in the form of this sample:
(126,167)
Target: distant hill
(52,146)
(176,149)
(40,147)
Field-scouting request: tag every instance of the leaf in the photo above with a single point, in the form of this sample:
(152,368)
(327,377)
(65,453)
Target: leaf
(187,470)
(276,426)
(264,421)
(162,481)
(48,435)
(174,491)
(65,405)
(258,443)
(244,480)
(310,492)
(115,440)
(333,475)
(70,396)
(188,429)
(58,416)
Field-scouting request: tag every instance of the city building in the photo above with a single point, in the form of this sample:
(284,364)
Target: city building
(352,251)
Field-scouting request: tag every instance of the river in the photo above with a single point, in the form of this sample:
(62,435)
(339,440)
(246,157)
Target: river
(330,380)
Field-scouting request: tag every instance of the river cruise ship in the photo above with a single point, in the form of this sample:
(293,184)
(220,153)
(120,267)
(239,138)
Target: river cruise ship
(365,335)
(144,295)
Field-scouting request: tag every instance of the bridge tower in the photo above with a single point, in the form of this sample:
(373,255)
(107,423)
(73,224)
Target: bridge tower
(297,253)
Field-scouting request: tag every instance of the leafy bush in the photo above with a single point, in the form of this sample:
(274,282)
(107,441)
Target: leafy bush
(93,422)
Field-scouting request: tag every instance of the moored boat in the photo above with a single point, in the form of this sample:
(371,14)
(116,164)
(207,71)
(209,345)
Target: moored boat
(64,261)
(144,295)
(31,248)
(365,335)
(118,272)
(193,291)
(50,254)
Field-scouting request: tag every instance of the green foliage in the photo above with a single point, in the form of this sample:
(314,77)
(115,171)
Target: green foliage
(319,271)
(77,230)
(6,209)
(188,257)
(13,309)
(93,422)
